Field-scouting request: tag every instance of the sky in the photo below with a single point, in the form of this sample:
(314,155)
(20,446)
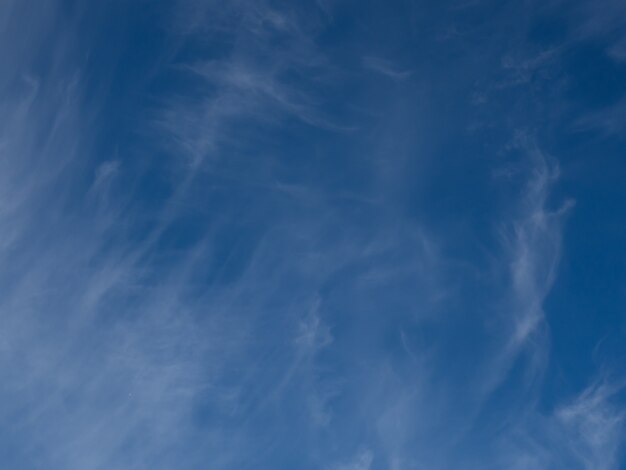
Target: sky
(313,234)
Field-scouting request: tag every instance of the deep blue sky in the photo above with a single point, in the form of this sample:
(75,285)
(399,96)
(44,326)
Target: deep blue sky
(325,234)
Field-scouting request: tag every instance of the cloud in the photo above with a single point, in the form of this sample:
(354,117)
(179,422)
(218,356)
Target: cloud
(594,426)
(101,362)
(274,300)
(609,121)
(605,23)
(362,461)
(584,432)
(249,87)
(385,68)
(536,247)
(532,242)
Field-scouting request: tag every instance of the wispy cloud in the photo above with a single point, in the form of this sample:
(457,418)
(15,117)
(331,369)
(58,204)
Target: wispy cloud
(94,356)
(362,461)
(536,246)
(386,67)
(595,426)
(609,121)
(252,85)
(532,240)
(585,432)
(279,298)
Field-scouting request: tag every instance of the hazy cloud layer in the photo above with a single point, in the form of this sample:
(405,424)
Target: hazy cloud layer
(311,235)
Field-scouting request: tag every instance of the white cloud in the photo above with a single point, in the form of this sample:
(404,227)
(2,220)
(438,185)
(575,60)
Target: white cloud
(386,68)
(532,242)
(610,121)
(250,84)
(594,427)
(124,347)
(362,461)
(586,432)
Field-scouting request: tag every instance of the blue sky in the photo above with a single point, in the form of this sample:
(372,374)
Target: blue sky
(325,234)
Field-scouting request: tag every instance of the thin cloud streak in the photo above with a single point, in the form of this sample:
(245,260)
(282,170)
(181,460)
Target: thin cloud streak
(532,239)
